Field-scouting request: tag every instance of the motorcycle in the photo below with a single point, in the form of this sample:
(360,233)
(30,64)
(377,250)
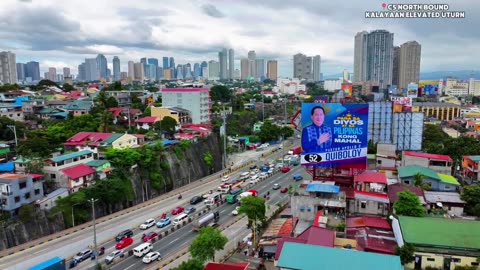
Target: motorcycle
(164,215)
(180,196)
(102,251)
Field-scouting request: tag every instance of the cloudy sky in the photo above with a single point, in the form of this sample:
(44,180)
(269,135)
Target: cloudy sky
(64,33)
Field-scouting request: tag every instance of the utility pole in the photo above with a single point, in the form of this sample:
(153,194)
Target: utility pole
(263,107)
(224,115)
(73,217)
(94,232)
(14,129)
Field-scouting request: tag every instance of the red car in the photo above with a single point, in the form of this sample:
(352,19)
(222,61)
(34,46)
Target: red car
(149,236)
(284,190)
(285,169)
(125,242)
(177,210)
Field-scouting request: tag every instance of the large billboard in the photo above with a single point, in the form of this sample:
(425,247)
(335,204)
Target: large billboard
(412,90)
(347,90)
(334,135)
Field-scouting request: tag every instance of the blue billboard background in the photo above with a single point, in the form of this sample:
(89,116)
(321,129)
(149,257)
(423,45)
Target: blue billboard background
(341,141)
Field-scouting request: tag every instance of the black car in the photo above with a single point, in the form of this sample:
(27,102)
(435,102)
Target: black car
(253,167)
(196,199)
(189,210)
(121,235)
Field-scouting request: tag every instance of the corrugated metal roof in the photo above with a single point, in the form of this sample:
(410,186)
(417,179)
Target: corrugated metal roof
(371,177)
(448,197)
(428,155)
(321,187)
(78,171)
(71,155)
(310,257)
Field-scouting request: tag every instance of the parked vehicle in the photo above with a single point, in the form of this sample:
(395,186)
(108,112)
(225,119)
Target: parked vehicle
(55,263)
(125,242)
(152,256)
(164,222)
(205,220)
(83,255)
(147,224)
(149,236)
(123,234)
(115,254)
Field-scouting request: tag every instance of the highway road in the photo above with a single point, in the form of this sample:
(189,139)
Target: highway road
(69,245)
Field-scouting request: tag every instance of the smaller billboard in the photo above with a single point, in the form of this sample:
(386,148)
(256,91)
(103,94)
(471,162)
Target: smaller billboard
(430,90)
(404,101)
(321,99)
(412,90)
(347,90)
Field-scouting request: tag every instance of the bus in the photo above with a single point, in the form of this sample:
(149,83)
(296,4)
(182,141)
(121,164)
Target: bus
(232,197)
(179,219)
(55,263)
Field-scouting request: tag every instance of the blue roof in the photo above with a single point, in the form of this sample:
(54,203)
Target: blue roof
(71,155)
(62,114)
(320,187)
(169,142)
(7,167)
(311,257)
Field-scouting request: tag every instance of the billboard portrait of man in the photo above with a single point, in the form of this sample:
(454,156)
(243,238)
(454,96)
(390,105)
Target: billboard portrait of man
(317,136)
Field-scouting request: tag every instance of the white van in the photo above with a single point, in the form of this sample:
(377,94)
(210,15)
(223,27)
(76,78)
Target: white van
(179,219)
(142,249)
(244,176)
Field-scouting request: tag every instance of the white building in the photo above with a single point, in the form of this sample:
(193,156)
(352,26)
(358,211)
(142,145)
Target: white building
(289,86)
(474,87)
(332,84)
(8,68)
(194,99)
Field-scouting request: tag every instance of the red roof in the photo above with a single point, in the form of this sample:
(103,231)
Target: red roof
(282,241)
(36,176)
(372,196)
(394,189)
(226,266)
(372,241)
(427,155)
(371,177)
(148,120)
(115,111)
(349,192)
(372,222)
(184,90)
(287,227)
(82,138)
(78,171)
(313,236)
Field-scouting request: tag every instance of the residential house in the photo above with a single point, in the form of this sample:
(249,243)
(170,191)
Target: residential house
(439,163)
(123,97)
(102,167)
(442,243)
(394,189)
(227,266)
(19,189)
(21,164)
(450,202)
(147,122)
(182,116)
(370,190)
(54,166)
(122,141)
(435,181)
(355,224)
(470,167)
(78,176)
(372,234)
(385,157)
(13,112)
(79,107)
(277,229)
(125,115)
(313,257)
(52,113)
(93,140)
(49,201)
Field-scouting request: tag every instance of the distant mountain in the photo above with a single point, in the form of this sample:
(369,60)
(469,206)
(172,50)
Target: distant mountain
(434,75)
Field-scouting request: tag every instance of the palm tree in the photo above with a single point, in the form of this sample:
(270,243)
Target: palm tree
(418,181)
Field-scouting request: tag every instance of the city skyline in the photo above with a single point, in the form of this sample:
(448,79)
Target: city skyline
(57,35)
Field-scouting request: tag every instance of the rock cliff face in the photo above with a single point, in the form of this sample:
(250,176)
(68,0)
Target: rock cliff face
(188,166)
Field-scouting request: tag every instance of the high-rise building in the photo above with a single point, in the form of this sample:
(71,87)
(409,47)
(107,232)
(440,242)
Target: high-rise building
(259,69)
(59,78)
(116,68)
(167,74)
(272,69)
(360,61)
(409,68)
(179,72)
(302,67)
(139,71)
(172,62)
(160,73)
(66,72)
(204,65)
(52,74)
(21,72)
(316,68)
(91,70)
(396,65)
(196,100)
(231,64)
(8,68)
(153,68)
(252,55)
(197,71)
(131,70)
(165,62)
(82,72)
(376,59)
(102,66)
(252,68)
(222,59)
(213,70)
(205,73)
(345,75)
(33,70)
(244,68)
(123,75)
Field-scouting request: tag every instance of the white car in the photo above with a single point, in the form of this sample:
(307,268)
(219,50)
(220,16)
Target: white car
(116,253)
(263,176)
(147,224)
(270,172)
(225,178)
(152,256)
(235,212)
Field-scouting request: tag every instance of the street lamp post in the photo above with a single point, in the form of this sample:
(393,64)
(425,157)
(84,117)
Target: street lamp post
(14,129)
(94,232)
(224,115)
(73,217)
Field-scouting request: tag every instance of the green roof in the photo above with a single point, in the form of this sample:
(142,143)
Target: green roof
(112,138)
(371,156)
(412,170)
(474,158)
(70,155)
(311,257)
(96,163)
(22,160)
(47,111)
(441,232)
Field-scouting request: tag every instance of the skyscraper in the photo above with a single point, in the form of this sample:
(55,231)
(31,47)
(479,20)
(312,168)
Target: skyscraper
(179,72)
(302,67)
(222,59)
(376,59)
(197,71)
(102,66)
(82,73)
(231,64)
(153,68)
(396,65)
(172,67)
(116,68)
(244,68)
(409,68)
(91,70)
(213,70)
(259,69)
(8,68)
(131,70)
(21,72)
(165,62)
(202,66)
(172,62)
(52,74)
(33,70)
(316,68)
(272,70)
(66,72)
(252,68)
(139,71)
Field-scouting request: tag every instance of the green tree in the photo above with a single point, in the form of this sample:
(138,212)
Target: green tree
(372,147)
(471,195)
(408,204)
(123,158)
(191,264)
(26,213)
(406,253)
(68,87)
(418,181)
(254,208)
(35,146)
(204,245)
(208,159)
(137,102)
(111,102)
(220,93)
(148,112)
(168,125)
(286,132)
(269,132)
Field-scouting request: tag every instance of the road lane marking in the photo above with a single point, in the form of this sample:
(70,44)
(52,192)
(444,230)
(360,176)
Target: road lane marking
(130,266)
(173,241)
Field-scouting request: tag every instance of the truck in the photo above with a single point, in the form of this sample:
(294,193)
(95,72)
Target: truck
(213,198)
(205,220)
(265,168)
(55,263)
(232,197)
(295,160)
(295,150)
